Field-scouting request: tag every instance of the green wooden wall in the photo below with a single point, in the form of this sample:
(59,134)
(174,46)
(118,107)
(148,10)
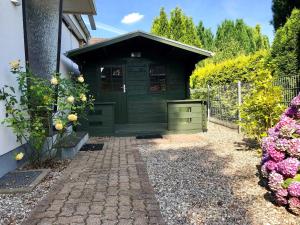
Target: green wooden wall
(138,104)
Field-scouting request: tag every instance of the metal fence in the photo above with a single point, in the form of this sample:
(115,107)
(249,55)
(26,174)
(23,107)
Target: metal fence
(290,86)
(224,101)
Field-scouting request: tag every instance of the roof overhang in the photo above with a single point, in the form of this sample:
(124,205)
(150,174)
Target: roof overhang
(86,7)
(178,45)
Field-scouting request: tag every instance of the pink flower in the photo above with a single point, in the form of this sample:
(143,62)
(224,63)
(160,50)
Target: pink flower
(275,181)
(271,165)
(272,132)
(294,149)
(276,155)
(294,189)
(296,101)
(268,142)
(284,120)
(281,196)
(291,111)
(288,167)
(294,205)
(282,145)
(288,130)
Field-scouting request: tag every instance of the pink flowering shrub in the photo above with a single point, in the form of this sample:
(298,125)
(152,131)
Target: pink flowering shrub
(280,162)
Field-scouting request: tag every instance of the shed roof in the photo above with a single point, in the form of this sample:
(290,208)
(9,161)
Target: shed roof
(163,40)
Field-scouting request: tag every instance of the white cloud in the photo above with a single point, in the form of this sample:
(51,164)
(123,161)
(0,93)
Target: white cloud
(132,18)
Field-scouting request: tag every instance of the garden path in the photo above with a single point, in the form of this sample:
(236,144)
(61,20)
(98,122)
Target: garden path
(104,187)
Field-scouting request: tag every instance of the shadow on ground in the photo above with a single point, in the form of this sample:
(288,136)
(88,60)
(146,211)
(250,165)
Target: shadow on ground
(247,144)
(192,187)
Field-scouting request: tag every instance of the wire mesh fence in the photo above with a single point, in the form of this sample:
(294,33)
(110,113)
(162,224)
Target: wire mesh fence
(224,100)
(290,87)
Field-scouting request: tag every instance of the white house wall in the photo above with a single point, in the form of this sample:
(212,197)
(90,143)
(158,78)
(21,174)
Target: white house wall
(11,48)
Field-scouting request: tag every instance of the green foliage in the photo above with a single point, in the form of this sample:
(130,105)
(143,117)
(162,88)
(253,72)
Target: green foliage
(31,116)
(206,36)
(160,24)
(242,68)
(285,52)
(282,10)
(179,27)
(261,106)
(237,38)
(288,181)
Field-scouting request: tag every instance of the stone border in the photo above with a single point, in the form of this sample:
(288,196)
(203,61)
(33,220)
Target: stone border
(31,186)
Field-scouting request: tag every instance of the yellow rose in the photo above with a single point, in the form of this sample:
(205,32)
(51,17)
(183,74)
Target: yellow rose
(72,117)
(15,65)
(83,97)
(19,156)
(59,125)
(70,99)
(80,79)
(54,81)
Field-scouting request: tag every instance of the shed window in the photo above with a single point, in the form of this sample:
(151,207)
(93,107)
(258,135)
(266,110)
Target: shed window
(157,75)
(111,78)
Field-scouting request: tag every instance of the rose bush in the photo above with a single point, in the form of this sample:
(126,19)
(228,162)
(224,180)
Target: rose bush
(42,110)
(280,163)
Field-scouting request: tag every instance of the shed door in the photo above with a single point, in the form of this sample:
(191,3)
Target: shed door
(113,89)
(145,103)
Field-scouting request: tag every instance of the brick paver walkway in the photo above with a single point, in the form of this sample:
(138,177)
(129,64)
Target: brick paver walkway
(102,187)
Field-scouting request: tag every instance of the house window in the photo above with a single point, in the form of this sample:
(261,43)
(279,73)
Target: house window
(112,78)
(157,75)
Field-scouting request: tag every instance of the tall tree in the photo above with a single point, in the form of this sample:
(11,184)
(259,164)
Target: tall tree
(206,36)
(285,51)
(179,27)
(160,25)
(282,10)
(177,24)
(191,37)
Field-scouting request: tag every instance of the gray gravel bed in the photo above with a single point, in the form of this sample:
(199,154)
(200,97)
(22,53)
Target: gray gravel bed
(14,208)
(210,180)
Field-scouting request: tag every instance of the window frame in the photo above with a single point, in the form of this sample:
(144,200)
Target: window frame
(112,86)
(165,78)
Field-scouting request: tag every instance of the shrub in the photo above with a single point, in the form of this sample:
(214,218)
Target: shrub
(43,104)
(261,106)
(281,155)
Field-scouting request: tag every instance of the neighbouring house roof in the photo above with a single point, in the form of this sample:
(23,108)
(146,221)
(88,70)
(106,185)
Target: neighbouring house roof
(142,35)
(94,40)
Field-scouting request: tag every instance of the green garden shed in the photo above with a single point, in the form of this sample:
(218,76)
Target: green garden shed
(141,85)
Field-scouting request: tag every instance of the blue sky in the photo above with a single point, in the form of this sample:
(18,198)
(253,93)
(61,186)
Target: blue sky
(116,17)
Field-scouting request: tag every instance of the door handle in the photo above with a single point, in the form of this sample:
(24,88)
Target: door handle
(124,88)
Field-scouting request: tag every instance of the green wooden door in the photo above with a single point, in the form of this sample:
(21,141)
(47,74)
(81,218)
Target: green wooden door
(144,106)
(113,89)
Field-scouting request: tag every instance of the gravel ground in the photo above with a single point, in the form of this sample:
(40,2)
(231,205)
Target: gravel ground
(210,178)
(14,208)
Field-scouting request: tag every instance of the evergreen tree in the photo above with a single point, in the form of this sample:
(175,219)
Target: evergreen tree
(242,36)
(261,41)
(177,25)
(282,10)
(285,52)
(191,37)
(206,36)
(160,25)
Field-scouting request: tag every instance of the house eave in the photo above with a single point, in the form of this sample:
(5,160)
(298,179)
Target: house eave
(87,7)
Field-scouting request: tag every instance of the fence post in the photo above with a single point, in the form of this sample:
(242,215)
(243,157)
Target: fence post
(208,103)
(239,104)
